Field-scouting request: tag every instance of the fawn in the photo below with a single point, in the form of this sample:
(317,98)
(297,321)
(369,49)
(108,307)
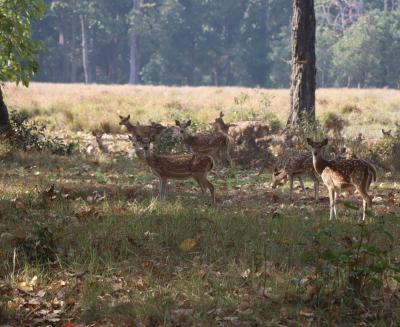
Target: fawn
(344,173)
(99,140)
(152,131)
(178,167)
(215,145)
(295,165)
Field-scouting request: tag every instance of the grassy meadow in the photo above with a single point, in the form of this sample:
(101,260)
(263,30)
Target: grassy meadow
(98,249)
(78,107)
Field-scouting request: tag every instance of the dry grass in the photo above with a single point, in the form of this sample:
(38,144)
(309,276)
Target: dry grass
(85,107)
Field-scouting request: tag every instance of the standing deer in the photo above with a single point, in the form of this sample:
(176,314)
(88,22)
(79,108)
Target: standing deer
(215,145)
(242,131)
(178,167)
(295,165)
(338,174)
(152,131)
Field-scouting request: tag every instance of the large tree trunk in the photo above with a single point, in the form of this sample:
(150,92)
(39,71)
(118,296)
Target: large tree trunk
(134,52)
(302,89)
(85,50)
(5,127)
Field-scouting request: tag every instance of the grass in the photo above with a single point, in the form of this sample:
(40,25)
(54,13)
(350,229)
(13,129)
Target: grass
(70,105)
(105,251)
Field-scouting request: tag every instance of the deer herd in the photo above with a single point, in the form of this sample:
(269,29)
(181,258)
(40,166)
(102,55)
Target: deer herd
(203,151)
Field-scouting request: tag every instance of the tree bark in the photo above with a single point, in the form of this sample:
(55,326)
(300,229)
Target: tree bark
(134,52)
(85,50)
(5,127)
(302,89)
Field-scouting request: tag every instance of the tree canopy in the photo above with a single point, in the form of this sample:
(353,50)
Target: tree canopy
(18,52)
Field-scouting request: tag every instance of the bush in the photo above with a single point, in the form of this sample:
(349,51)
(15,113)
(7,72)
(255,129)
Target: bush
(30,135)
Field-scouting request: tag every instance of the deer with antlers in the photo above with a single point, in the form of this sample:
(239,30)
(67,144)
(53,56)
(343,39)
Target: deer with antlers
(152,131)
(216,145)
(345,173)
(178,166)
(295,165)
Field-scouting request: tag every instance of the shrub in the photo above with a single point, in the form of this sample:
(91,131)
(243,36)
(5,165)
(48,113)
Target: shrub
(30,135)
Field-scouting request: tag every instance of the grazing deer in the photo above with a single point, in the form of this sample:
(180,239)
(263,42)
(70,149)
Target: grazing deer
(338,174)
(152,131)
(179,166)
(242,131)
(295,165)
(215,145)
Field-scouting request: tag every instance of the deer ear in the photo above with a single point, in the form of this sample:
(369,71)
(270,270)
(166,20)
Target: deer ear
(189,122)
(120,117)
(324,142)
(221,114)
(177,123)
(128,117)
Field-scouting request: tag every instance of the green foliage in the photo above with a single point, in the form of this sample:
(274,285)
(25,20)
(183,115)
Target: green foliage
(354,266)
(30,135)
(18,52)
(367,54)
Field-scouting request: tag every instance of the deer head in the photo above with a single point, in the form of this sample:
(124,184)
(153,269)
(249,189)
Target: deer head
(317,146)
(124,120)
(183,127)
(387,133)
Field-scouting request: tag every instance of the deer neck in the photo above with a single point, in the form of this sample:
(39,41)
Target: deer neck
(130,127)
(319,163)
(223,127)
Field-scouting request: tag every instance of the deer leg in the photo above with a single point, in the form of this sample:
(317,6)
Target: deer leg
(302,185)
(331,202)
(316,187)
(335,195)
(291,187)
(163,184)
(367,201)
(210,187)
(198,180)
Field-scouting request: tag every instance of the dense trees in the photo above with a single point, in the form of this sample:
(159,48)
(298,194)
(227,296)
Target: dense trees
(225,42)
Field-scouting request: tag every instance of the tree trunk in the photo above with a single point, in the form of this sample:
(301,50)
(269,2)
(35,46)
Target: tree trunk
(5,127)
(134,52)
(85,50)
(302,90)
(72,49)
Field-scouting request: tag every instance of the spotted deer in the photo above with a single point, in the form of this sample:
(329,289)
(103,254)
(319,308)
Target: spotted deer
(294,165)
(242,131)
(216,145)
(152,131)
(345,173)
(177,167)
